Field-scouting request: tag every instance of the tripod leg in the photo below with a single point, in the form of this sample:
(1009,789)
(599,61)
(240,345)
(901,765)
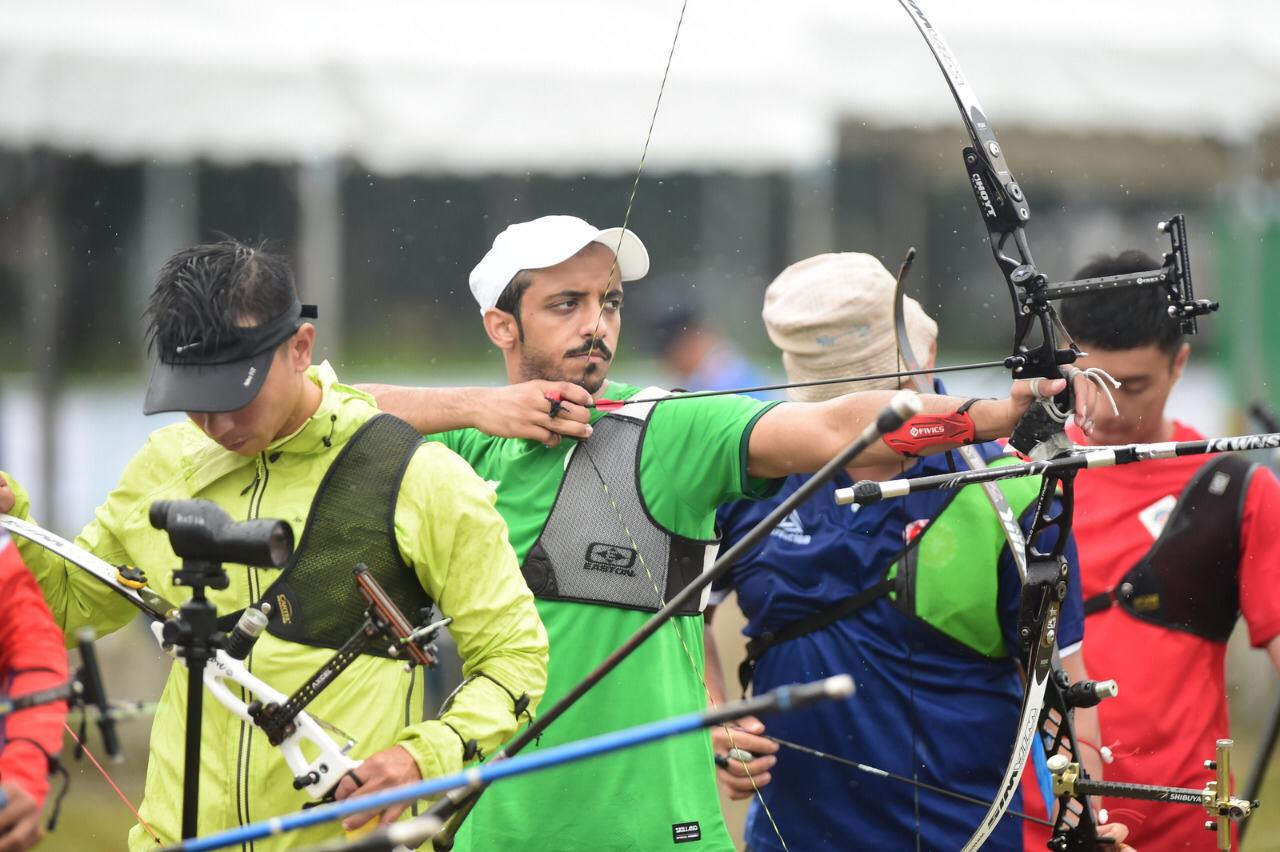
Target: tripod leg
(191,764)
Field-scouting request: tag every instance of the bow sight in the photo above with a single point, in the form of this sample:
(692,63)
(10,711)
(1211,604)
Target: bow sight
(1005,213)
(1215,798)
(1174,275)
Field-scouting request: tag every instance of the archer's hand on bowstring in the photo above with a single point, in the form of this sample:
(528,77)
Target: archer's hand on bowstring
(19,820)
(738,776)
(540,411)
(393,767)
(537,410)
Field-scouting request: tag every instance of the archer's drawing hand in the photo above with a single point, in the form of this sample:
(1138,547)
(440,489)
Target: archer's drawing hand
(19,820)
(537,410)
(734,772)
(392,767)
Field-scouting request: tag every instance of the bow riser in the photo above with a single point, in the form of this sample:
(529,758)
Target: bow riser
(1074,825)
(317,776)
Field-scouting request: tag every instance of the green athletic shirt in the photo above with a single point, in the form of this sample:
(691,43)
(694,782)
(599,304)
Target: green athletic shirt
(693,457)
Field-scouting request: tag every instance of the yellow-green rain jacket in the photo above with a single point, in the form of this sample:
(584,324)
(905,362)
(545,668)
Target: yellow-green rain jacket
(447,530)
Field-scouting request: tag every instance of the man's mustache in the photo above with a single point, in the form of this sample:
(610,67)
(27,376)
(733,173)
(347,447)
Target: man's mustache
(600,348)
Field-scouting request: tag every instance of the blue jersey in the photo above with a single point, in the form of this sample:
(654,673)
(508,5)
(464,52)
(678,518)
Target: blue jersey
(925,706)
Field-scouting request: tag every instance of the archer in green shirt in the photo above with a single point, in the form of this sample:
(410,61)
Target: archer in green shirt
(550,292)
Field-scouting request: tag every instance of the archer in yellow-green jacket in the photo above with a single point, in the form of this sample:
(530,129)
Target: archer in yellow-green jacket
(264,431)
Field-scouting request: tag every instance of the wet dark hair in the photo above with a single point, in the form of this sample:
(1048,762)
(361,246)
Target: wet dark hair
(512,295)
(206,291)
(1122,319)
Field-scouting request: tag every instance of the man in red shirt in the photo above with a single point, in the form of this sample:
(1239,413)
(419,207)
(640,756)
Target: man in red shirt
(1163,586)
(32,658)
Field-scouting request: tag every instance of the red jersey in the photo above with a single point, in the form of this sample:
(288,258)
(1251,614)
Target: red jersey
(1172,705)
(32,658)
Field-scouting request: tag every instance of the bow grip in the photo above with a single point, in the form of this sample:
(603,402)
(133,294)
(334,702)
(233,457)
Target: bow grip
(1035,429)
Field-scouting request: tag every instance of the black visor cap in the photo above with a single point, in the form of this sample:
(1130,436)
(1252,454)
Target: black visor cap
(224,377)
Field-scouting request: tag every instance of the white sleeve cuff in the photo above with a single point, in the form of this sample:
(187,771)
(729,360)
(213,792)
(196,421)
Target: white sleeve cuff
(718,596)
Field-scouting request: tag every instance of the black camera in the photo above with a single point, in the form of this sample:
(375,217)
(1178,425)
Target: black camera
(200,530)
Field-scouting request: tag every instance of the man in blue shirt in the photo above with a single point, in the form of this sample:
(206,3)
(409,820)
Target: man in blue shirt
(934,592)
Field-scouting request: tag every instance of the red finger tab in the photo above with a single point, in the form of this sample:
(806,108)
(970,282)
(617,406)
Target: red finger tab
(929,430)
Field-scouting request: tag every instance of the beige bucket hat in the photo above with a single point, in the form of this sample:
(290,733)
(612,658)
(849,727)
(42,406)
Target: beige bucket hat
(832,315)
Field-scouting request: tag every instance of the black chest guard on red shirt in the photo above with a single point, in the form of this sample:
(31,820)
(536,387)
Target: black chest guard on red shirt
(1190,578)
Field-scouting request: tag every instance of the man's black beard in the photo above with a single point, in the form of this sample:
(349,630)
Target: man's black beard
(535,365)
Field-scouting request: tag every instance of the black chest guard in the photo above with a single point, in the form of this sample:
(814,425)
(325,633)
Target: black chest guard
(315,601)
(1189,579)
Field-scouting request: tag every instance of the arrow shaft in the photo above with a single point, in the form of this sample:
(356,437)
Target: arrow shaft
(778,700)
(872,492)
(614,405)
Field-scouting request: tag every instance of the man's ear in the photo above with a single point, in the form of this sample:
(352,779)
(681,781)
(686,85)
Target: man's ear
(1180,360)
(502,329)
(301,346)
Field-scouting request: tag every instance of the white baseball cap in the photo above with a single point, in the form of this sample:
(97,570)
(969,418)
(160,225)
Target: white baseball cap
(545,242)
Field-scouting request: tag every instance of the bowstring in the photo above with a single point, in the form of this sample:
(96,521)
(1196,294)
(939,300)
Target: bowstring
(874,770)
(635,186)
(693,665)
(899,325)
(595,339)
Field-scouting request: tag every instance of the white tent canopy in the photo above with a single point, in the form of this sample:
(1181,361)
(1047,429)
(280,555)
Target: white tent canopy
(569,85)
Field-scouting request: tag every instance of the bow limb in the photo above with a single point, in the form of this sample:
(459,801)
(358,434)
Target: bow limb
(1005,210)
(635,186)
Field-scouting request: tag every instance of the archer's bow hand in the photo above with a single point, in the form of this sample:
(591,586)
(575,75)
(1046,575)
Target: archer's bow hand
(1042,409)
(744,757)
(1001,418)
(7,498)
